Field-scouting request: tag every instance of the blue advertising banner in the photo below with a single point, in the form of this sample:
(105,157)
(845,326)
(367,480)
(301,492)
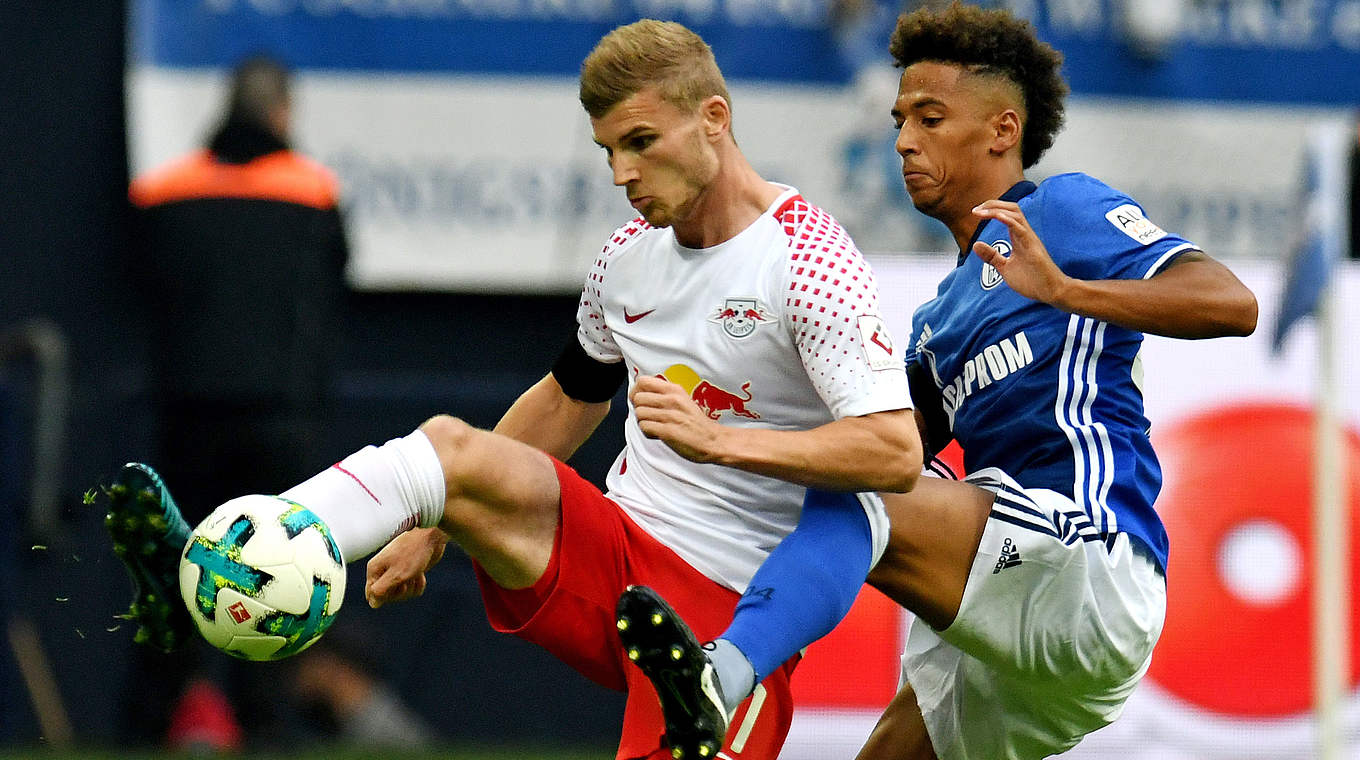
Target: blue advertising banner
(1290,51)
(1279,51)
(754,39)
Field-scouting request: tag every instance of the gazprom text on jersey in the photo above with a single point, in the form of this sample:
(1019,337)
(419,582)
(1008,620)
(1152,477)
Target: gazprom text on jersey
(987,366)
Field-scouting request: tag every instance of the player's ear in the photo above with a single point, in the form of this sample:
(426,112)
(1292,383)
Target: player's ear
(717,115)
(1006,131)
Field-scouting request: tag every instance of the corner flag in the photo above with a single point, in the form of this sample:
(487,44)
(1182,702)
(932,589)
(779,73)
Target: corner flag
(1325,228)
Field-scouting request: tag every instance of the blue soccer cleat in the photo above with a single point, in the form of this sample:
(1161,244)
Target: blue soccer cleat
(149,534)
(658,641)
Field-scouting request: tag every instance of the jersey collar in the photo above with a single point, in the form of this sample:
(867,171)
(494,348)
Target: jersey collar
(1018,190)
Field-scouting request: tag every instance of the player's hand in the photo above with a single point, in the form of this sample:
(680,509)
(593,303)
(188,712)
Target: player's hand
(397,572)
(1028,269)
(666,412)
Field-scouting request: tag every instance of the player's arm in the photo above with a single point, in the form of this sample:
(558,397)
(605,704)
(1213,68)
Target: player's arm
(546,418)
(558,413)
(873,452)
(1194,296)
(932,424)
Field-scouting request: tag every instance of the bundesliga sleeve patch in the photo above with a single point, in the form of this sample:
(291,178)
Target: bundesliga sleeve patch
(878,346)
(1129,220)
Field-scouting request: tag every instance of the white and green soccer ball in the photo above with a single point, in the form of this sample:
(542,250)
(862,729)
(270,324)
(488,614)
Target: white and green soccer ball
(262,577)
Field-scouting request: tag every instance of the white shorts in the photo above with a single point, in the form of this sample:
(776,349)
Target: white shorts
(1050,640)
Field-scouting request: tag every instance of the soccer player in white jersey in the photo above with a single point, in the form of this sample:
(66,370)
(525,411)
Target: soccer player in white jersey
(1039,582)
(746,324)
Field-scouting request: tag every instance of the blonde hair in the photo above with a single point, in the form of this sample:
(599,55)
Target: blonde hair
(650,53)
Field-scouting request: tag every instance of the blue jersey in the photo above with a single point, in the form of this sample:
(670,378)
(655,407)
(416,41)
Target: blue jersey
(1049,397)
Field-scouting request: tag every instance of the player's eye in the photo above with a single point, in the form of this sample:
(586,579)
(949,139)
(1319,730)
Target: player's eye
(931,121)
(641,142)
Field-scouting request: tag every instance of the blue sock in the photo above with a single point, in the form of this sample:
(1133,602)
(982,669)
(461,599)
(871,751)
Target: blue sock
(806,585)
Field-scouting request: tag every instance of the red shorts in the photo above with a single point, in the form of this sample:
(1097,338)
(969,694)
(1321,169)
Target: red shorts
(600,551)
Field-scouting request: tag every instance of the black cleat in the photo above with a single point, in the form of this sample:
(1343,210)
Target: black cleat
(149,534)
(658,641)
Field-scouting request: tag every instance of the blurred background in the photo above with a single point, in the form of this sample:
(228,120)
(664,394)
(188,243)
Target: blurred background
(473,199)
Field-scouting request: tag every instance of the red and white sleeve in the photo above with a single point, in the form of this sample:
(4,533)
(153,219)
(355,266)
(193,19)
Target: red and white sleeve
(592,330)
(831,307)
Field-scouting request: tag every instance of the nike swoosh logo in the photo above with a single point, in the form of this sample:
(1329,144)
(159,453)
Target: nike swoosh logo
(631,318)
(669,678)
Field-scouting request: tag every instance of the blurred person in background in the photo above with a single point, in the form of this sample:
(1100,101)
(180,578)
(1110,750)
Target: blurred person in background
(239,250)
(878,209)
(339,679)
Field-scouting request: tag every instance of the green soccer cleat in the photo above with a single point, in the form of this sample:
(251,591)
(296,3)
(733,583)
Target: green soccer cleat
(658,641)
(149,534)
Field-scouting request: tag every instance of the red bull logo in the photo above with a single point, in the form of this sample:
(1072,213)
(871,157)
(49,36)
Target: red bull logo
(712,399)
(740,317)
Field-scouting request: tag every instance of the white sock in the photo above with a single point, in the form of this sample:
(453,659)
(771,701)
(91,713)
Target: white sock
(735,674)
(372,495)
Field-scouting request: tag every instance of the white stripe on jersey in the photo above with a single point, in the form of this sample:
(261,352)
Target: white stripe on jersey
(1059,413)
(1159,263)
(1093,454)
(1101,446)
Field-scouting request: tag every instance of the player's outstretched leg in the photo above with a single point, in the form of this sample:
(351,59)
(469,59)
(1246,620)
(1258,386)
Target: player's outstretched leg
(655,638)
(149,533)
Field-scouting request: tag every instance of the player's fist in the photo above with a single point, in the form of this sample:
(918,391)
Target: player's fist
(665,411)
(397,572)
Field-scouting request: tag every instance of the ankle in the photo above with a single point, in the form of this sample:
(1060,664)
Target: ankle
(735,674)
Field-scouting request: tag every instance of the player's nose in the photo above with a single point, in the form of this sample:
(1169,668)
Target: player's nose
(906,143)
(624,171)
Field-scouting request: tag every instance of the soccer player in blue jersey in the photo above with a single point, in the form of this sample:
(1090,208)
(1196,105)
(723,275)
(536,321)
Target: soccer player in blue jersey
(1038,581)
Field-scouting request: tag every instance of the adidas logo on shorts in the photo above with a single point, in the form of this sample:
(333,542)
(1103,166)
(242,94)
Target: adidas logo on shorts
(1010,557)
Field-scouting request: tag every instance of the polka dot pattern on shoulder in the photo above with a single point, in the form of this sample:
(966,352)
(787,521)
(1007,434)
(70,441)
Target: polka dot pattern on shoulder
(829,287)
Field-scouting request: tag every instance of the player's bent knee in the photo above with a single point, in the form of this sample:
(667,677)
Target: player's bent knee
(452,438)
(462,451)
(446,432)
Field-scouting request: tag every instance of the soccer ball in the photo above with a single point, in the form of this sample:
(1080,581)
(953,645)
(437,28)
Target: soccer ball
(262,577)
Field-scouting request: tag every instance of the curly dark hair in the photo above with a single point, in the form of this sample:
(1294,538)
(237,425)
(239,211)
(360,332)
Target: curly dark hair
(991,42)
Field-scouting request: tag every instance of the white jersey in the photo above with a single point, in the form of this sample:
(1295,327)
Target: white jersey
(777,327)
